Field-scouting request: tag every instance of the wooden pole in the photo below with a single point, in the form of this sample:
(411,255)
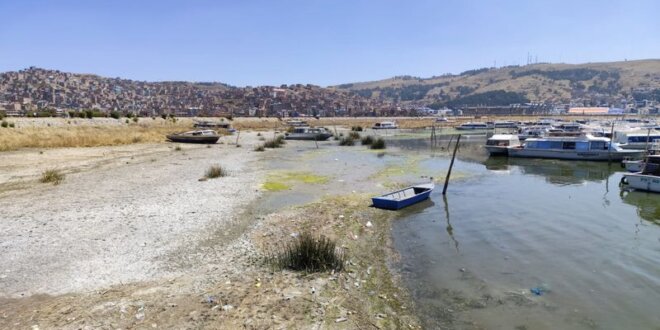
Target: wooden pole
(609,148)
(444,189)
(237,136)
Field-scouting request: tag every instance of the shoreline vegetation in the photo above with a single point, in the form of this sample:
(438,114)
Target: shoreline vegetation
(75,132)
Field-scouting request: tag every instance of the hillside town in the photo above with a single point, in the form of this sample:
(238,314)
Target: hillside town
(36,92)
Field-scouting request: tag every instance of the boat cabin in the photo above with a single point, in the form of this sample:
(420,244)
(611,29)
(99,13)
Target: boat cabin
(385,125)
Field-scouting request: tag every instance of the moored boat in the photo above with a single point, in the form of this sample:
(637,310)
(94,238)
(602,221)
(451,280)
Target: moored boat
(309,133)
(385,125)
(404,197)
(585,147)
(648,179)
(499,144)
(200,136)
(473,126)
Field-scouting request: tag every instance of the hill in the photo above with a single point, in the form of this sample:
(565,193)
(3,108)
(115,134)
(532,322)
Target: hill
(590,83)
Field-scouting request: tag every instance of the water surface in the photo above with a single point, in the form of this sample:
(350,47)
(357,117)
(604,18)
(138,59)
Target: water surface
(563,227)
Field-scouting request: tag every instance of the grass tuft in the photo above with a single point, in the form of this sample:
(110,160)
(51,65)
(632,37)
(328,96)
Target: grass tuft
(367,140)
(275,143)
(354,135)
(177,148)
(357,128)
(216,171)
(347,141)
(51,176)
(378,144)
(310,254)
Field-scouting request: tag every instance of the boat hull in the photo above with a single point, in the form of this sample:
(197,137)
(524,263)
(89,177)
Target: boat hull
(595,155)
(403,198)
(640,181)
(193,139)
(308,137)
(497,150)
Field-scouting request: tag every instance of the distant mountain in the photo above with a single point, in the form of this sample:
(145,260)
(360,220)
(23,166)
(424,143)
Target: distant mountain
(43,92)
(590,83)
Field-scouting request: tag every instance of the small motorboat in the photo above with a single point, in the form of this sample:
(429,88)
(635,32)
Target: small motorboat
(404,197)
(385,125)
(499,144)
(309,133)
(200,136)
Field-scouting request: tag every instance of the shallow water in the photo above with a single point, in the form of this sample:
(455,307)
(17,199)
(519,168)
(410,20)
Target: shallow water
(563,227)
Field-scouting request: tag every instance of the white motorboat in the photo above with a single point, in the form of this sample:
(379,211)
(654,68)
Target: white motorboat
(585,147)
(648,179)
(499,144)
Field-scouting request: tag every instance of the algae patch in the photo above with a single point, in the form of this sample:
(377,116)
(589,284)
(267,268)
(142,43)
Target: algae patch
(284,180)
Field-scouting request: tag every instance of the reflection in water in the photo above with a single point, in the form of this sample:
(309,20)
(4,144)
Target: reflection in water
(648,204)
(450,229)
(557,172)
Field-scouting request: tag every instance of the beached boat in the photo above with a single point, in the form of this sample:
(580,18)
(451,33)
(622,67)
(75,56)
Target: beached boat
(648,179)
(585,147)
(309,133)
(499,144)
(473,126)
(404,197)
(201,136)
(385,125)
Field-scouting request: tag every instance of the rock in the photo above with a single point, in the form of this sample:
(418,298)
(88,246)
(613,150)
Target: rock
(369,224)
(381,316)
(227,308)
(341,319)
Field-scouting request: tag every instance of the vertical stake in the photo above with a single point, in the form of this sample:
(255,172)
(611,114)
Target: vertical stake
(458,140)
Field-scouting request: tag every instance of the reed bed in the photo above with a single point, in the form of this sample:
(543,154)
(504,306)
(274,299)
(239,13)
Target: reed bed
(83,136)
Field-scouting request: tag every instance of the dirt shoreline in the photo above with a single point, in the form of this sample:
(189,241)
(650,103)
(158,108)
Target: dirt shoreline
(132,239)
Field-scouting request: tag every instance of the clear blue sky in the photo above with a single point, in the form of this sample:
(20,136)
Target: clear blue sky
(325,42)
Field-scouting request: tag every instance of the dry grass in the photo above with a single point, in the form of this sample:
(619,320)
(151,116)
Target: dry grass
(83,136)
(51,176)
(216,171)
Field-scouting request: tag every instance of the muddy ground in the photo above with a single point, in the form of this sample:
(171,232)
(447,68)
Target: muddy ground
(132,239)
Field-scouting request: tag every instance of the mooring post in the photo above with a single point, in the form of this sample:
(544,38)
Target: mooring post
(237,136)
(609,147)
(453,156)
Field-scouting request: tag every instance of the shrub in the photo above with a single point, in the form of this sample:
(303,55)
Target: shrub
(135,119)
(215,171)
(4,124)
(347,141)
(309,254)
(336,137)
(51,176)
(275,143)
(260,147)
(177,148)
(378,144)
(115,115)
(354,135)
(89,114)
(357,128)
(259,134)
(367,140)
(164,116)
(12,125)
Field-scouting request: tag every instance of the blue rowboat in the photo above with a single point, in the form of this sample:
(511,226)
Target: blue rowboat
(404,197)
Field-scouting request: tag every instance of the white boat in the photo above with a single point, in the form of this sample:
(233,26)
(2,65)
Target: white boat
(385,125)
(585,147)
(499,144)
(636,139)
(648,179)
(473,126)
(651,163)
(309,133)
(532,132)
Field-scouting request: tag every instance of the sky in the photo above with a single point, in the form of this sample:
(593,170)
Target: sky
(322,42)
